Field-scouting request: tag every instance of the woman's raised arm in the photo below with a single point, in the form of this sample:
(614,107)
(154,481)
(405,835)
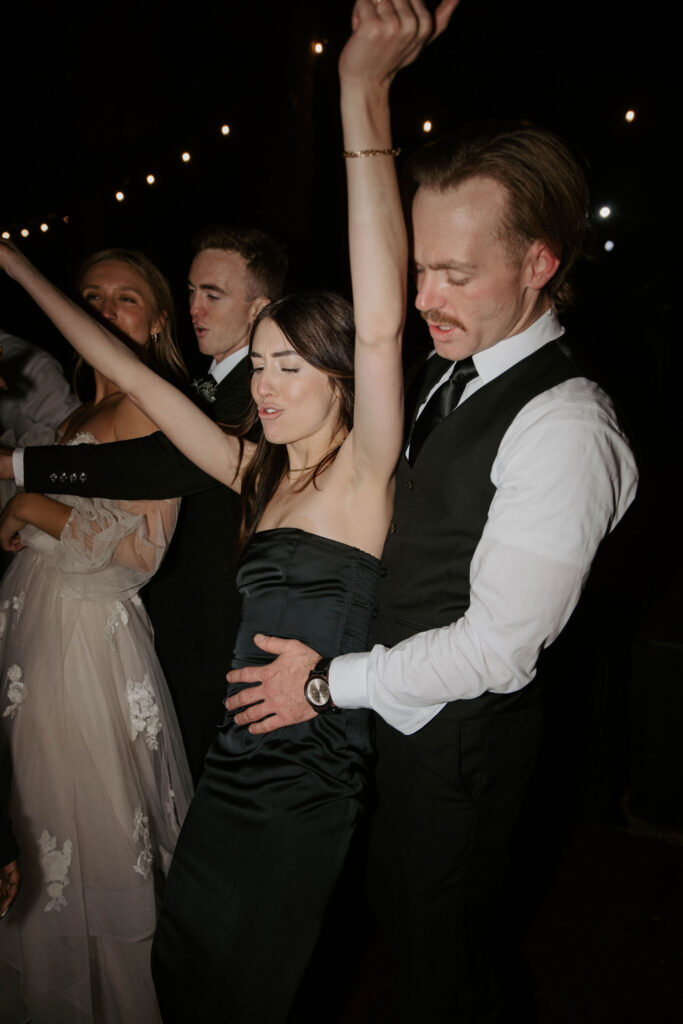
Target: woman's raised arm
(386,36)
(191,431)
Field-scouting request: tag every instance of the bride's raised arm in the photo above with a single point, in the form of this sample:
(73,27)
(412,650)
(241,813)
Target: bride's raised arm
(190,430)
(386,36)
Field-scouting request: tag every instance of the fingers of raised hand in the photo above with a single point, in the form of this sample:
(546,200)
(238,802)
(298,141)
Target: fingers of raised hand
(442,15)
(399,29)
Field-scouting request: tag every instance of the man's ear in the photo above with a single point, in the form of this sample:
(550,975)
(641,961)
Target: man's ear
(256,306)
(540,264)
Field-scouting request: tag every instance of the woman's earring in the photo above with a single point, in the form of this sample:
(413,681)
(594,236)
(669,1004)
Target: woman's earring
(155,337)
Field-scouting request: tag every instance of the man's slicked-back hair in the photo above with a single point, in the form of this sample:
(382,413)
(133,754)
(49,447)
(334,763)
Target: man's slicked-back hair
(546,188)
(266,259)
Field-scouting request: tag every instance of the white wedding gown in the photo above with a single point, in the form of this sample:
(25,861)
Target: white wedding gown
(99,780)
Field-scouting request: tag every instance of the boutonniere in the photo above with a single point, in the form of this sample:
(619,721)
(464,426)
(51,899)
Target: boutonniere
(205,388)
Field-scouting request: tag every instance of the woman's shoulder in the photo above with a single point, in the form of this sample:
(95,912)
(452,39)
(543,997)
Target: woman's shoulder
(129,421)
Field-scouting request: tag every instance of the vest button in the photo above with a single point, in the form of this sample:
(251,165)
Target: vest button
(374,613)
(392,527)
(410,485)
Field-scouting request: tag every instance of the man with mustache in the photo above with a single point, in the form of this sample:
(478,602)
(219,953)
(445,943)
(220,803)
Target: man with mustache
(514,471)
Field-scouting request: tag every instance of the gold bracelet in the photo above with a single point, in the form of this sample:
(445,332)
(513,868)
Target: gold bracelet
(370,152)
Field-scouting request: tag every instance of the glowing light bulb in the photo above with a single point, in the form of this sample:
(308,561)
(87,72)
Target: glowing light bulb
(24,232)
(317,47)
(150,179)
(66,219)
(119,196)
(6,234)
(44,227)
(609,245)
(630,115)
(427,126)
(604,212)
(185,157)
(225,129)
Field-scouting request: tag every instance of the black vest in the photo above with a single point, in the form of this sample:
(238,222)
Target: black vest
(441,507)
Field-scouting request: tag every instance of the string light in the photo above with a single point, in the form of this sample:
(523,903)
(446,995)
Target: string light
(317,48)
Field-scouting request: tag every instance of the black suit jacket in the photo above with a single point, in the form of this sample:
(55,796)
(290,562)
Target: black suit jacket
(9,850)
(192,600)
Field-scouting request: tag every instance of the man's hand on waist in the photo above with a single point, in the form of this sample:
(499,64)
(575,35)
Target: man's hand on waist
(278,699)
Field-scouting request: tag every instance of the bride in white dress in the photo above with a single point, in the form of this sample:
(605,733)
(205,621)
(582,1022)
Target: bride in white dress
(89,739)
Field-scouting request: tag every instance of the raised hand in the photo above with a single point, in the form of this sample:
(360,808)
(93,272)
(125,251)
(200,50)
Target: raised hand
(387,35)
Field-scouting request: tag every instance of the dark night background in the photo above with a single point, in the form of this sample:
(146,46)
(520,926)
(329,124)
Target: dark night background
(96,96)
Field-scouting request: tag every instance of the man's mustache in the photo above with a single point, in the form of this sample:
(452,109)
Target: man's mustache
(439,320)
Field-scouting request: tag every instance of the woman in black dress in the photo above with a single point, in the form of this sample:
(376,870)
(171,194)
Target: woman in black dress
(268,830)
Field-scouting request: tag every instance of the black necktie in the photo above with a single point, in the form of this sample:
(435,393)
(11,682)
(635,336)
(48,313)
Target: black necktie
(440,405)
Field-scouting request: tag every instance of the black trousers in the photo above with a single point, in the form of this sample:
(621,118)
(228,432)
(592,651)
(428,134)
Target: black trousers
(449,798)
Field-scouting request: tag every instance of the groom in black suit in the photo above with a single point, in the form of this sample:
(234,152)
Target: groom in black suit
(192,600)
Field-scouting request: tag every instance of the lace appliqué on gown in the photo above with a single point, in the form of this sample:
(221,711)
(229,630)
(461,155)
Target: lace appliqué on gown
(16,691)
(118,617)
(144,712)
(55,864)
(10,611)
(143,866)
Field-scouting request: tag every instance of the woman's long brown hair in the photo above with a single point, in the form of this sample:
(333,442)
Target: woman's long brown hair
(319,326)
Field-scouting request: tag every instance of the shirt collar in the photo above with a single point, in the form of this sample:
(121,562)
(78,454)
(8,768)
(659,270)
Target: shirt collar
(493,361)
(219,371)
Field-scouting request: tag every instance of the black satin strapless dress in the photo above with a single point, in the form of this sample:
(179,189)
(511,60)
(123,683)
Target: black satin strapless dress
(266,835)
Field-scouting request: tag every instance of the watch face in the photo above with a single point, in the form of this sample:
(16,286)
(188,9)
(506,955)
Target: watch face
(318,692)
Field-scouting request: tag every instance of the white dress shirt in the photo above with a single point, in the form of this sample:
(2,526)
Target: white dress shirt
(219,371)
(564,476)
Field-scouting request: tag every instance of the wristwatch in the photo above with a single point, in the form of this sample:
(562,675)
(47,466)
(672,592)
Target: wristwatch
(317,688)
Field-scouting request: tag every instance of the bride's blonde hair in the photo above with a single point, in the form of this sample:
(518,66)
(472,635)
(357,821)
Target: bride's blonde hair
(162,353)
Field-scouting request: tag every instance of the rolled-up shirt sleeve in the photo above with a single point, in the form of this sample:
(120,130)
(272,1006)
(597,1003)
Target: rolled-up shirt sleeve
(564,476)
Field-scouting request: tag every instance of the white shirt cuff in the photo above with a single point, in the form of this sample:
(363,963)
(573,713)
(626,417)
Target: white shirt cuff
(18,466)
(348,685)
